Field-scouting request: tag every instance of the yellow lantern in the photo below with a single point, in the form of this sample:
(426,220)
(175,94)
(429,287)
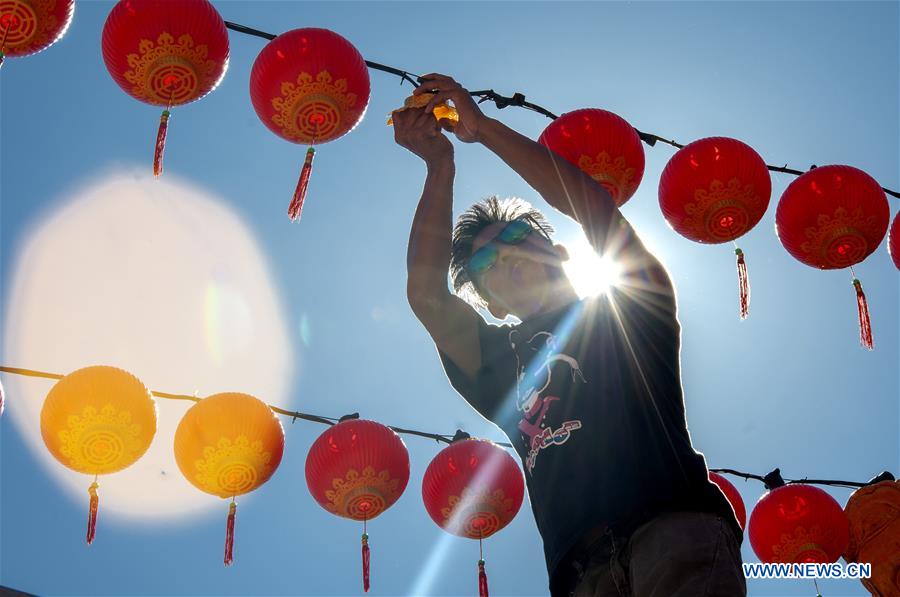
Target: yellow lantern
(98,420)
(227,445)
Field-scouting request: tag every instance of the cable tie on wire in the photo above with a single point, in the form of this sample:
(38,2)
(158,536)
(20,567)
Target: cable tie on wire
(348,417)
(885,476)
(773,480)
(460,435)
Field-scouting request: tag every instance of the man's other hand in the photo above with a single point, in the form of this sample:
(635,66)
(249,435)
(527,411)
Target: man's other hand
(418,131)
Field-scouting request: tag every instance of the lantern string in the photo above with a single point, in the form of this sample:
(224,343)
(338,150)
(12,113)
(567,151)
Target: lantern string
(5,34)
(517,99)
(447,439)
(3,43)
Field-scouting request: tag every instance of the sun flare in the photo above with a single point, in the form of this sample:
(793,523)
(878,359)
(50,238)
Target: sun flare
(590,274)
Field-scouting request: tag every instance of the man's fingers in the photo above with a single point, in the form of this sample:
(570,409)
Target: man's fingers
(422,119)
(434,77)
(436,84)
(405,118)
(447,124)
(439,97)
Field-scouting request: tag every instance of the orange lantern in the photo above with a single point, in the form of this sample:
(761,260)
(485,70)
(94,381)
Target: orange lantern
(228,445)
(165,53)
(834,217)
(473,488)
(603,145)
(357,469)
(29,26)
(309,86)
(874,515)
(98,420)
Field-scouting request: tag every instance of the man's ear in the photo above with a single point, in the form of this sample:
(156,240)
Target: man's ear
(562,252)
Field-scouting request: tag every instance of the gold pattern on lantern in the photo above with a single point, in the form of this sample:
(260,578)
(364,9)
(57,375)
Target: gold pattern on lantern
(794,544)
(721,210)
(100,442)
(611,173)
(481,506)
(376,490)
(29,24)
(838,240)
(232,467)
(168,72)
(311,110)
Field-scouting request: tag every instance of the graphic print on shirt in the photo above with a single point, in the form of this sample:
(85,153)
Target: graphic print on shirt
(537,358)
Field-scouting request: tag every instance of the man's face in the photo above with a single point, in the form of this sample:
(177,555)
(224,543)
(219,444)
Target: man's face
(523,275)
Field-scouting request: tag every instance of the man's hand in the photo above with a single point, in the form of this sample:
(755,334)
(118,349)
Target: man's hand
(418,131)
(470,115)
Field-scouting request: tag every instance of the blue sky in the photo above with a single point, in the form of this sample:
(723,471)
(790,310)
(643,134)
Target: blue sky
(322,320)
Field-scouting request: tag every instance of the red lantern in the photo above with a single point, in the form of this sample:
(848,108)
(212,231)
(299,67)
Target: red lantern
(894,241)
(733,496)
(357,469)
(798,524)
(715,190)
(834,217)
(165,54)
(309,86)
(603,145)
(29,26)
(473,488)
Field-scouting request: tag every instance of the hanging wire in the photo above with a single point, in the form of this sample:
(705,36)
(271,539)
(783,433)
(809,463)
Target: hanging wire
(517,99)
(772,479)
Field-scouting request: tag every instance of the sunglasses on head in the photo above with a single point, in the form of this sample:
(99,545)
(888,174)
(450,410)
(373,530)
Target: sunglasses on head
(513,233)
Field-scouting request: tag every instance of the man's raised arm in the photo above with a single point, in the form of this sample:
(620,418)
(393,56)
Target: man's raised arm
(452,324)
(562,184)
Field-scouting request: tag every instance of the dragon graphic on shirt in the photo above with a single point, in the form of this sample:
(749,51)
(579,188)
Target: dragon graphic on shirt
(537,358)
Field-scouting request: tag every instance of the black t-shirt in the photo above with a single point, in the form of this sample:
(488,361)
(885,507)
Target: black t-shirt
(590,396)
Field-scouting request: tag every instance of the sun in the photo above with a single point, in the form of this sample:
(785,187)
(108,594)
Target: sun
(591,274)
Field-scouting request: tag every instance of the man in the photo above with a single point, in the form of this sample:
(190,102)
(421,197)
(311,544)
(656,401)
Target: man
(589,392)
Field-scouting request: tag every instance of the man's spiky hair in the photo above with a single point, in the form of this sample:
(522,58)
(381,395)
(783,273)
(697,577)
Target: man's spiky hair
(471,223)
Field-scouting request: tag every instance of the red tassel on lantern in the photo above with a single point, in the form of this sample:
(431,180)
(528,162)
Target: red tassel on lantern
(482,580)
(744,283)
(92,513)
(302,184)
(229,535)
(3,43)
(160,142)
(865,324)
(365,561)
